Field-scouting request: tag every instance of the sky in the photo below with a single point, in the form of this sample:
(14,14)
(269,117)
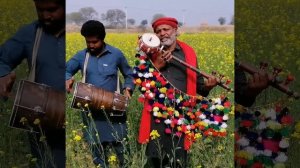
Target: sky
(190,12)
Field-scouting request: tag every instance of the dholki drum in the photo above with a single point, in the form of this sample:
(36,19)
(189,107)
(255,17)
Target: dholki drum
(38,106)
(88,97)
(149,43)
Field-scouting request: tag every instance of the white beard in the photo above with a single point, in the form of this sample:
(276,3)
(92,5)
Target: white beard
(168,41)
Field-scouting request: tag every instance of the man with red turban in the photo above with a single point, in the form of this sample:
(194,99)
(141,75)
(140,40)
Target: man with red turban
(181,78)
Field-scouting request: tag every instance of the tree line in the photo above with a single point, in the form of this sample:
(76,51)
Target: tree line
(116,18)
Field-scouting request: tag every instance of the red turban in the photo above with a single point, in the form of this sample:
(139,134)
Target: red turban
(165,20)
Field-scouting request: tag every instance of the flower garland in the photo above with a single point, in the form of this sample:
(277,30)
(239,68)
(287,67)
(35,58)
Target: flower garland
(262,136)
(195,116)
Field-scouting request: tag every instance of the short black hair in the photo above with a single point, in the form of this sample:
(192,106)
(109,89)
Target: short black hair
(59,2)
(93,28)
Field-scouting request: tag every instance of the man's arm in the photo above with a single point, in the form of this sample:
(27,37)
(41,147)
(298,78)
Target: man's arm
(126,71)
(72,67)
(246,90)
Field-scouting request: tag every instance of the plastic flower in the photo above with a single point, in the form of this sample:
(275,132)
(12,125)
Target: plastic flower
(154,134)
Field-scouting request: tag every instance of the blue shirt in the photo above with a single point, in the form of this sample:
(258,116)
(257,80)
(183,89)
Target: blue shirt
(102,70)
(50,63)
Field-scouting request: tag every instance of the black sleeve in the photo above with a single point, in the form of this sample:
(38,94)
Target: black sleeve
(200,86)
(240,87)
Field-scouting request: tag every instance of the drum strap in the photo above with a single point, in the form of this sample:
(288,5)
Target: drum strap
(118,84)
(87,56)
(36,44)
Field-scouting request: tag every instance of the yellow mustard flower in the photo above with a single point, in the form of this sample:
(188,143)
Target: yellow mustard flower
(77,138)
(36,121)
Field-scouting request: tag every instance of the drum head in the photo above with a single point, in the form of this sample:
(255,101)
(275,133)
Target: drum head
(151,40)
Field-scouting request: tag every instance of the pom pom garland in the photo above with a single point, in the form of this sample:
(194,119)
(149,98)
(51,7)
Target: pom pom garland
(192,115)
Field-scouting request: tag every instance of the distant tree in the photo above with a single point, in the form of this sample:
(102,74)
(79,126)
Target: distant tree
(180,24)
(232,21)
(131,21)
(88,13)
(115,18)
(75,17)
(144,23)
(222,20)
(81,16)
(157,16)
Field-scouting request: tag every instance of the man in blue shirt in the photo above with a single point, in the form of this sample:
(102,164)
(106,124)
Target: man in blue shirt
(101,71)
(49,69)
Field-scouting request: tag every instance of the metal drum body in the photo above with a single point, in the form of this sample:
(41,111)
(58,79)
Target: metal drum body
(89,97)
(35,102)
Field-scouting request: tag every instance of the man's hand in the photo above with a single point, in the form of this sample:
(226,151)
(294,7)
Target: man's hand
(69,84)
(210,83)
(127,92)
(6,83)
(257,83)
(160,59)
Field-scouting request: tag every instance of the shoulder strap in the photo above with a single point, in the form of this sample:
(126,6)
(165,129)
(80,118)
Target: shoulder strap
(118,84)
(36,44)
(87,56)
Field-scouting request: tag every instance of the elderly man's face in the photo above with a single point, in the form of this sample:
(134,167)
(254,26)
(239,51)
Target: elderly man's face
(166,34)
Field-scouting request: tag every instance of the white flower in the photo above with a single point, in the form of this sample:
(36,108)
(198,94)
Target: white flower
(202,116)
(251,150)
(207,121)
(271,113)
(180,121)
(225,117)
(148,85)
(218,101)
(142,61)
(243,141)
(267,152)
(224,125)
(167,121)
(262,125)
(146,75)
(140,75)
(284,143)
(212,108)
(161,95)
(281,157)
(188,127)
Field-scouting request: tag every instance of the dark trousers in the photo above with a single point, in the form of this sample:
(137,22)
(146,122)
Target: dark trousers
(48,149)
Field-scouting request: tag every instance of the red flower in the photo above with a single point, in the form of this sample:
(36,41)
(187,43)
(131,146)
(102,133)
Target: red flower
(228,81)
(227,104)
(142,67)
(286,120)
(246,123)
(198,113)
(168,131)
(157,120)
(186,104)
(218,118)
(204,106)
(257,165)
